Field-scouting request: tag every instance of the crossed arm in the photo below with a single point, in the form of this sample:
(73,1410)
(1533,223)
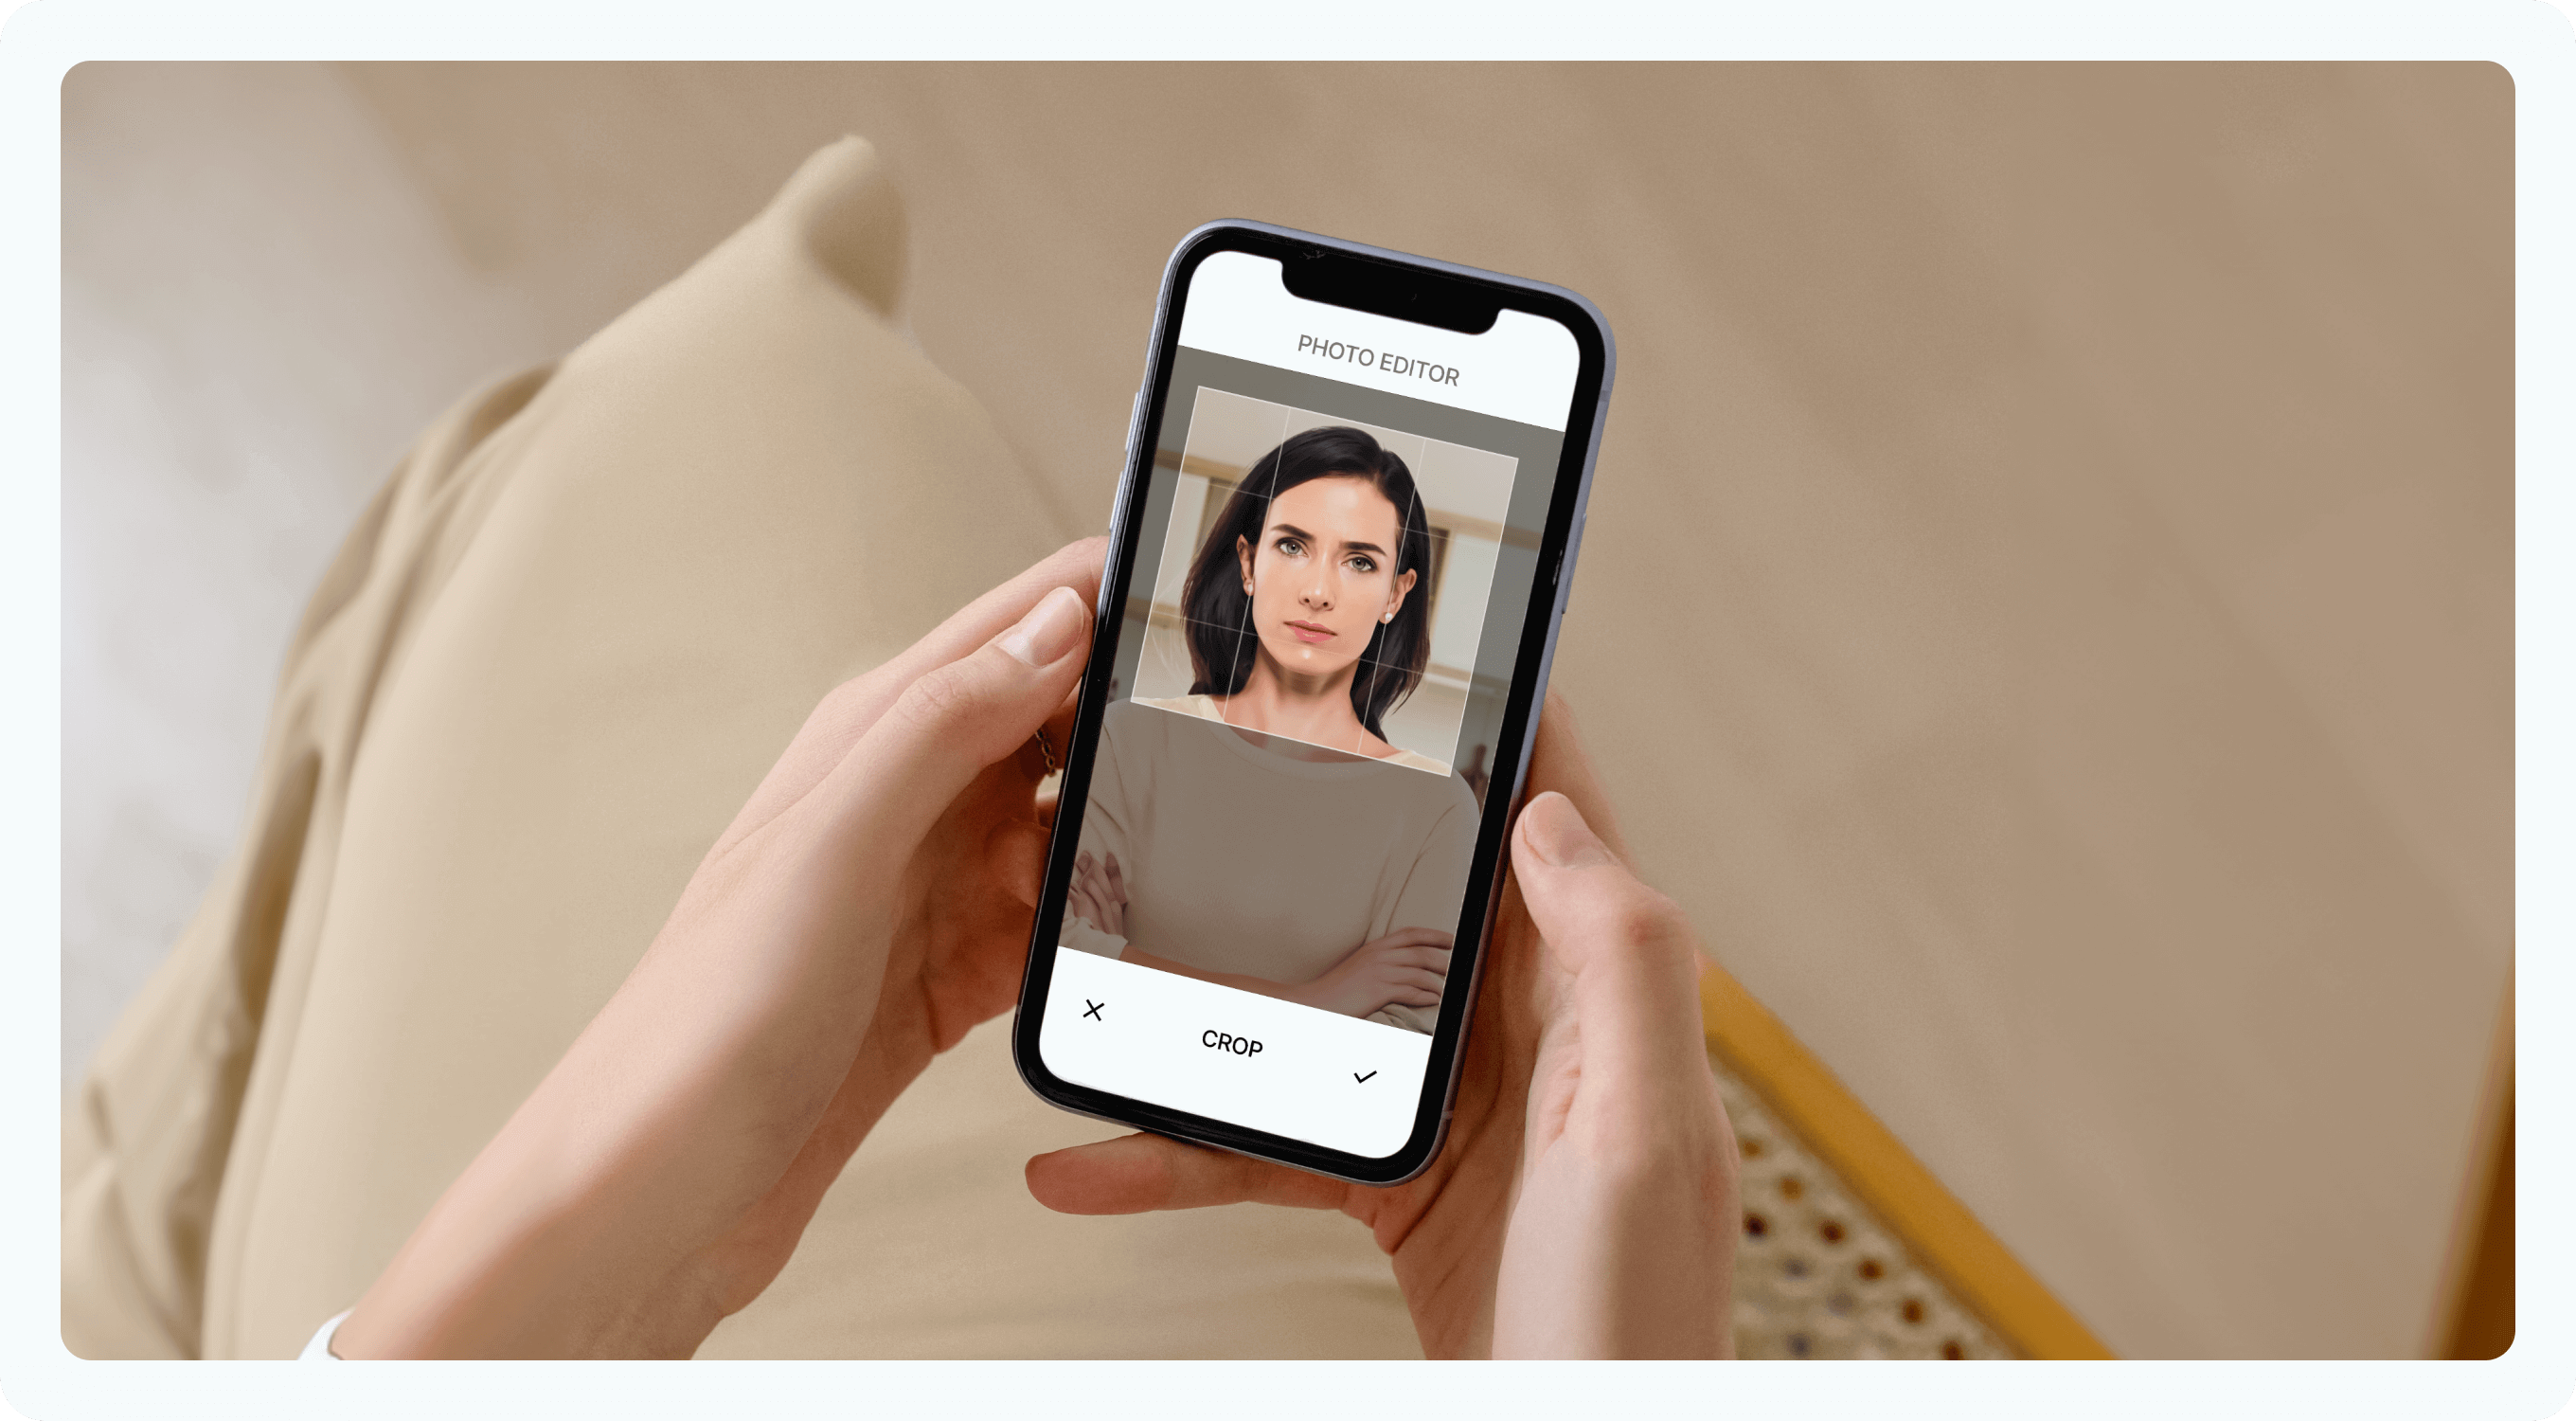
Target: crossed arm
(1407,967)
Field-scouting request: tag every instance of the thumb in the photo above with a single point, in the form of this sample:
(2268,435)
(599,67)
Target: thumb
(1136,1174)
(956,719)
(1629,949)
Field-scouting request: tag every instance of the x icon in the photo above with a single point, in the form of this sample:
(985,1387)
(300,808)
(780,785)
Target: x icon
(1094,1013)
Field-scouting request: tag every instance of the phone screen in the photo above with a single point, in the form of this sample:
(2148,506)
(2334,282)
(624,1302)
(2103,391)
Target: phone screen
(1320,622)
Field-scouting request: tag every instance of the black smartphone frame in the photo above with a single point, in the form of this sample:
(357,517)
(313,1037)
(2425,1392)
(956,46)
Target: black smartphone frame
(1409,288)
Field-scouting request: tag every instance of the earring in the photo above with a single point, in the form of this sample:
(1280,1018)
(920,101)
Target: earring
(1389,617)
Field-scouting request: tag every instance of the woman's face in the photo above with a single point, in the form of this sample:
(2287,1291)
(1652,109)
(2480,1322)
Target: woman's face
(1323,575)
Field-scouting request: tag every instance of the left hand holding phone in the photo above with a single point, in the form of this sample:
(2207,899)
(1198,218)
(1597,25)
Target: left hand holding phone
(865,909)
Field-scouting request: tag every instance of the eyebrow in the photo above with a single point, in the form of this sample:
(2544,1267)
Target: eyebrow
(1292,530)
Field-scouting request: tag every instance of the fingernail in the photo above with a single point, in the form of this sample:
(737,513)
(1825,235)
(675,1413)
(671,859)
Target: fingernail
(1557,834)
(1052,628)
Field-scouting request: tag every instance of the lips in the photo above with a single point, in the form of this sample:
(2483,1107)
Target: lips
(1310,633)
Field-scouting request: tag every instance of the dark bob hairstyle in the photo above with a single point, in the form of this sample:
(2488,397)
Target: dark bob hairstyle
(1218,610)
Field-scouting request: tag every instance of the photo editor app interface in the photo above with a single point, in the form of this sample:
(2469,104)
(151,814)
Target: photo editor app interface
(1340,542)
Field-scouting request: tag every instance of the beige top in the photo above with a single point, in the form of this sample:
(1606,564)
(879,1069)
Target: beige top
(1237,858)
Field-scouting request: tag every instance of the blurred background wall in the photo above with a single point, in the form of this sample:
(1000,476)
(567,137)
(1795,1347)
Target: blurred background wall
(2047,609)
(261,306)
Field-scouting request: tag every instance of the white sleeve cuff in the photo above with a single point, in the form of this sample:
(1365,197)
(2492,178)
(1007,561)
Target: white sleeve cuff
(319,1349)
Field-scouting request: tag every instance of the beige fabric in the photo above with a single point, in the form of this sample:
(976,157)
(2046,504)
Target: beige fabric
(581,621)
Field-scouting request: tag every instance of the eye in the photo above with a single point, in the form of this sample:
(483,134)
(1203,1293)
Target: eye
(1290,547)
(1362,563)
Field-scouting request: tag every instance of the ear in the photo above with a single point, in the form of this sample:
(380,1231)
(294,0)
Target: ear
(1243,554)
(1403,584)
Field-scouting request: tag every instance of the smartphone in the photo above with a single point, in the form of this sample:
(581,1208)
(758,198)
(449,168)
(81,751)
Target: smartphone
(1341,549)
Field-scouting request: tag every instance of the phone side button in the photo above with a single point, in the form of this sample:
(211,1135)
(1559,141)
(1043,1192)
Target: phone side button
(1135,436)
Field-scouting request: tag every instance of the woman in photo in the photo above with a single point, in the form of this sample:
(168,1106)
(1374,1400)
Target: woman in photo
(1261,832)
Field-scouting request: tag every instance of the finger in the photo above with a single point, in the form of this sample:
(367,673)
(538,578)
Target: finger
(1057,732)
(1088,893)
(1017,852)
(944,729)
(1633,957)
(1434,958)
(1414,937)
(1558,762)
(1117,881)
(852,708)
(1418,980)
(1414,997)
(1402,941)
(1059,726)
(1136,1174)
(1075,565)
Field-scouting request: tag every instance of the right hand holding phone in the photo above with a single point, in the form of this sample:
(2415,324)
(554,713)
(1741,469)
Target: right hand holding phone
(1585,1204)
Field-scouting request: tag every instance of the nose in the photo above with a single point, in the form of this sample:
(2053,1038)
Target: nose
(1318,594)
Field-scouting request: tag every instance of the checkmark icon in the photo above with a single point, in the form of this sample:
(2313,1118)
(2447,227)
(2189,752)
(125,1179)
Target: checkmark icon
(1363,1080)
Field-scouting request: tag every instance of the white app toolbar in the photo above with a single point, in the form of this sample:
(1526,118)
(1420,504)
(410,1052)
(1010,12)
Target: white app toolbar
(1291,1070)
(1523,369)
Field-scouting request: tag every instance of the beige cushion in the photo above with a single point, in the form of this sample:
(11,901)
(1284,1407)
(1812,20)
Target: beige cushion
(580,622)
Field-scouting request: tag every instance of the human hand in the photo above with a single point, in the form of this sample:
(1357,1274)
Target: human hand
(1406,967)
(868,906)
(1585,1202)
(1099,894)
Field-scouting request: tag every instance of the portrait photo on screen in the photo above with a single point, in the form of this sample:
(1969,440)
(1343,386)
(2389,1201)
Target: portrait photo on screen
(1398,597)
